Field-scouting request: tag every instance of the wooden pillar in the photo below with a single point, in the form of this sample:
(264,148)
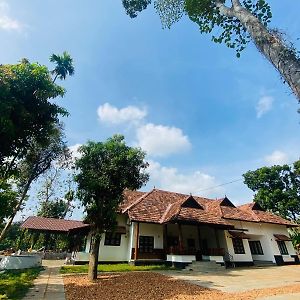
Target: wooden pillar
(199,237)
(217,238)
(180,239)
(165,235)
(137,233)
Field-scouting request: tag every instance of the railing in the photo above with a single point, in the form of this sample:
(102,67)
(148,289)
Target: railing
(153,254)
(192,251)
(214,252)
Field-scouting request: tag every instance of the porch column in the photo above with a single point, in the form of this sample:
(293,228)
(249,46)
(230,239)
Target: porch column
(137,233)
(180,239)
(217,238)
(165,235)
(199,238)
(131,238)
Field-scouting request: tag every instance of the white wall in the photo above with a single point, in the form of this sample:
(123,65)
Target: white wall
(155,230)
(238,257)
(113,253)
(263,232)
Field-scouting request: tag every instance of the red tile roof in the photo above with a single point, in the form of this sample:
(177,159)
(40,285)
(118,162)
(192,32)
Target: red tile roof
(160,206)
(51,224)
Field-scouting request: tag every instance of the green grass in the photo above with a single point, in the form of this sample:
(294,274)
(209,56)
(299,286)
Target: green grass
(15,283)
(112,268)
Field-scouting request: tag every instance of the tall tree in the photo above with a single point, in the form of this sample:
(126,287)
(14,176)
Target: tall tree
(235,23)
(26,110)
(104,171)
(57,192)
(277,189)
(37,161)
(64,65)
(28,116)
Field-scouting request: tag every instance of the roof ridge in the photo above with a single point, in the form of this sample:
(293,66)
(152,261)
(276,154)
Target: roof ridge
(183,194)
(161,220)
(179,203)
(54,219)
(249,206)
(136,201)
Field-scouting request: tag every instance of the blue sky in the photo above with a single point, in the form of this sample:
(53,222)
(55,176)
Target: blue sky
(204,116)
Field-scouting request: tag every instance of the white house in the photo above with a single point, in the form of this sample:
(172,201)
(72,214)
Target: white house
(177,228)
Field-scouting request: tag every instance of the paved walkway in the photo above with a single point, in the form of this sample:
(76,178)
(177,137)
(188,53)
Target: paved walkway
(245,279)
(282,297)
(49,285)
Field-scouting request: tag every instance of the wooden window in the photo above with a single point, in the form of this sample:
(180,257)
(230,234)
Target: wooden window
(112,239)
(146,244)
(256,248)
(282,248)
(238,246)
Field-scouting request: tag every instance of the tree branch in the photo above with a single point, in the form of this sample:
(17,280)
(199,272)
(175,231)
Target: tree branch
(236,3)
(224,10)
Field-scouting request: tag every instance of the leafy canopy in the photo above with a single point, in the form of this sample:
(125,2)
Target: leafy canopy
(64,65)
(105,169)
(277,189)
(206,14)
(25,110)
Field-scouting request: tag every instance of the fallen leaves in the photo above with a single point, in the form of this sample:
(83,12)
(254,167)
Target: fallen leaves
(153,286)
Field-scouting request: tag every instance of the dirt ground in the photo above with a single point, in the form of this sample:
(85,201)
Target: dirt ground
(148,286)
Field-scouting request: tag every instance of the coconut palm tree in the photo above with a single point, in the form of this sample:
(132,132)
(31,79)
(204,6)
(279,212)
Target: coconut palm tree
(64,65)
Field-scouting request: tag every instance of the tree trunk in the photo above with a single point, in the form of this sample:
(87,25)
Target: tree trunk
(93,263)
(273,47)
(16,209)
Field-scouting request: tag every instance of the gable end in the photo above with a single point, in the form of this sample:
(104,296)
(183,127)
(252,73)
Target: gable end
(190,202)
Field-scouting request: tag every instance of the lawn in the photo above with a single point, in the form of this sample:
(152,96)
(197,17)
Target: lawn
(112,268)
(15,283)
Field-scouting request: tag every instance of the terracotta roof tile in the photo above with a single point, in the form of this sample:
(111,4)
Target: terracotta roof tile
(51,224)
(160,206)
(265,216)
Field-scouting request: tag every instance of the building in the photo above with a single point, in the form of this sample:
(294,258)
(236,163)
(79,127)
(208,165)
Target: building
(167,226)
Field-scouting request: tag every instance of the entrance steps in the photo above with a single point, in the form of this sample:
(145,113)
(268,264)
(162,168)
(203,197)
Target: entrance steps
(204,267)
(263,263)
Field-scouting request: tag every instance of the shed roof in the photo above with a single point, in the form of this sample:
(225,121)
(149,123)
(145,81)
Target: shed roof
(54,225)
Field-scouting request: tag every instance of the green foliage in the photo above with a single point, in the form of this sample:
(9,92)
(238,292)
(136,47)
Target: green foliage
(64,65)
(133,7)
(295,235)
(14,284)
(104,171)
(277,189)
(26,112)
(112,268)
(39,158)
(14,238)
(53,209)
(206,14)
(7,199)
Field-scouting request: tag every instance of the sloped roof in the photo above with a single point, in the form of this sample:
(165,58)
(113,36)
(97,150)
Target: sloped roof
(259,215)
(158,206)
(51,224)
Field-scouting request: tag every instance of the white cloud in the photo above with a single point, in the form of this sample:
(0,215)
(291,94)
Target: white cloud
(7,22)
(264,104)
(277,158)
(158,140)
(74,151)
(171,179)
(112,115)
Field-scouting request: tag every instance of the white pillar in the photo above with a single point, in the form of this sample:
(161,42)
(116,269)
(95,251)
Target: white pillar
(130,244)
